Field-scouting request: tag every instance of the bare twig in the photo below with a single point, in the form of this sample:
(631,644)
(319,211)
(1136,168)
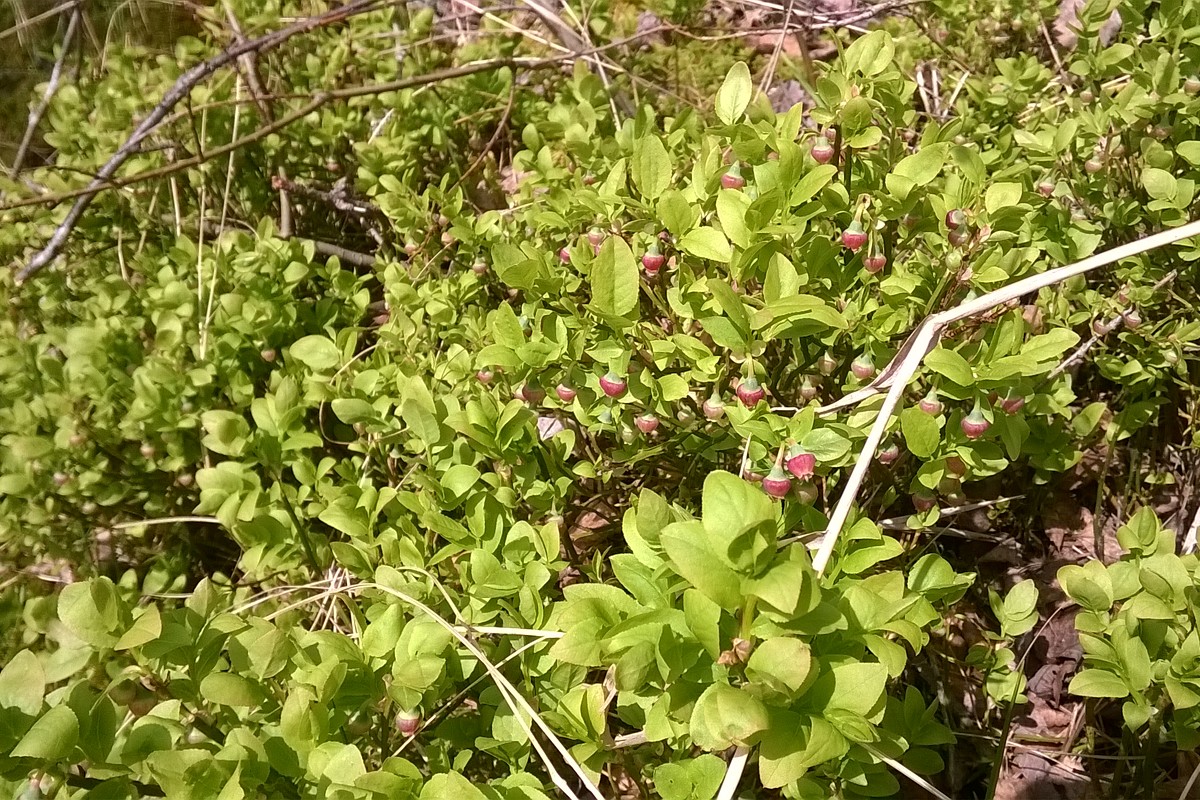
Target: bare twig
(35,117)
(106,177)
(925,338)
(1116,322)
(25,23)
(183,86)
(248,66)
(769,75)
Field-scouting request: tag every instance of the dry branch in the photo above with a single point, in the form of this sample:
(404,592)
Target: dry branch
(106,177)
(183,86)
(35,116)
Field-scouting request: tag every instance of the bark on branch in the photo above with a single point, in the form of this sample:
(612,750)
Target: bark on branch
(183,86)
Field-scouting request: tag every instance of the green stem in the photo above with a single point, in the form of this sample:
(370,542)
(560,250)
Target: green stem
(748,616)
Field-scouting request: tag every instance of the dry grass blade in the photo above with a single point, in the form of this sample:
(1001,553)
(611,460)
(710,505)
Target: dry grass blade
(520,706)
(908,773)
(926,337)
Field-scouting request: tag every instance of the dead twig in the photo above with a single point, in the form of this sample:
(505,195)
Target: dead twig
(106,178)
(182,88)
(1107,327)
(35,116)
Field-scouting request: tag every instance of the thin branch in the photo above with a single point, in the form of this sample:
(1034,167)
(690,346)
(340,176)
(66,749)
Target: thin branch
(107,179)
(50,12)
(1109,327)
(35,117)
(904,366)
(183,86)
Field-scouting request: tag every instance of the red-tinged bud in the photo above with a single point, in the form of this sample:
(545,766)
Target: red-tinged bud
(479,268)
(595,237)
(863,367)
(888,455)
(923,501)
(733,179)
(827,364)
(955,218)
(564,255)
(955,467)
(809,388)
(930,403)
(564,392)
(1045,188)
(801,463)
(854,237)
(777,484)
(653,261)
(532,393)
(484,376)
(714,407)
(875,263)
(646,423)
(1012,403)
(974,425)
(822,150)
(1132,318)
(750,391)
(959,236)
(612,384)
(408,723)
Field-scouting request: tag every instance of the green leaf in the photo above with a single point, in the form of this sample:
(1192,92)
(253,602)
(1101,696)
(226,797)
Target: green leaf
(1098,683)
(870,54)
(950,365)
(380,637)
(676,214)
(52,737)
(230,689)
(650,167)
(1159,183)
(781,662)
(921,432)
(856,115)
(691,779)
(725,716)
(351,410)
(731,211)
(856,687)
(917,170)
(1190,151)
(90,610)
(707,242)
(23,683)
(450,786)
(734,94)
(794,744)
(318,353)
(145,629)
(1002,195)
(812,182)
(614,278)
(731,505)
(419,411)
(694,558)
(826,444)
